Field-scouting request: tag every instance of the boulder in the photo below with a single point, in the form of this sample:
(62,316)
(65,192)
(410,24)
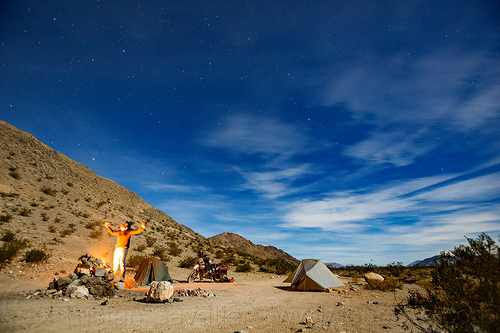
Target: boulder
(159,292)
(80,292)
(373,277)
(99,271)
(120,285)
(72,287)
(63,282)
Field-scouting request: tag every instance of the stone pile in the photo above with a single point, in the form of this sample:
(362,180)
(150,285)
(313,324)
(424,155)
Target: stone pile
(199,292)
(92,279)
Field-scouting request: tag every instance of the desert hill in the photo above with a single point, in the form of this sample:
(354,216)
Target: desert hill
(60,205)
(238,243)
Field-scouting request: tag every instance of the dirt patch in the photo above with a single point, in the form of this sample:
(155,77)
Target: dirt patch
(253,303)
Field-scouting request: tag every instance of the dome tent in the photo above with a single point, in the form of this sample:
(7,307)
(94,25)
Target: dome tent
(151,269)
(312,275)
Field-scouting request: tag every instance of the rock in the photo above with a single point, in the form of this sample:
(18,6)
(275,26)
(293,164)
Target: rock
(106,302)
(178,299)
(72,287)
(373,277)
(80,292)
(84,271)
(52,284)
(62,282)
(340,303)
(120,285)
(159,292)
(84,279)
(99,271)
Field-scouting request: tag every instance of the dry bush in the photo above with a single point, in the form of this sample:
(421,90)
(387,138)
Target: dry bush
(388,284)
(135,260)
(35,256)
(464,295)
(188,262)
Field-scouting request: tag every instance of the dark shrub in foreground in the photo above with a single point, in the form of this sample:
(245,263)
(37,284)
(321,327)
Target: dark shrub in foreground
(465,292)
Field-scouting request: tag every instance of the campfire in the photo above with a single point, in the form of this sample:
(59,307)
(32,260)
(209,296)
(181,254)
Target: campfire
(90,266)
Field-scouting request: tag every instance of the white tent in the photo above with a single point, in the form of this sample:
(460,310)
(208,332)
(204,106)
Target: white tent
(312,275)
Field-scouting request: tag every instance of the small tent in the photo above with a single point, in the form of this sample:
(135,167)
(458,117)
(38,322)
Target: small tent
(312,275)
(151,269)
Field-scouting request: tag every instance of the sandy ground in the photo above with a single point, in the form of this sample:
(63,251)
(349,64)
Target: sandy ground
(253,303)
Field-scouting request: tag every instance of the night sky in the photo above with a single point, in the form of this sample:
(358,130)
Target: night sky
(347,131)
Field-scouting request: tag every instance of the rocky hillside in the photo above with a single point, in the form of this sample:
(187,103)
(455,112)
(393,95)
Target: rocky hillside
(238,243)
(59,205)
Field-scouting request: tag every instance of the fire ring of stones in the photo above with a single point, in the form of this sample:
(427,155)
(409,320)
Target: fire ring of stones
(92,279)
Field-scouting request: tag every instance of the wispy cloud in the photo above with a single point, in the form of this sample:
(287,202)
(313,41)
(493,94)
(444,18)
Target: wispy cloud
(246,134)
(164,187)
(414,103)
(355,212)
(274,184)
(398,148)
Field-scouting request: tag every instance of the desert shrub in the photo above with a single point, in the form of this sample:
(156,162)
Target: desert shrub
(277,266)
(65,192)
(465,291)
(244,267)
(6,218)
(13,173)
(101,203)
(135,260)
(70,184)
(159,252)
(9,195)
(95,233)
(173,249)
(35,256)
(25,212)
(188,262)
(52,229)
(48,190)
(219,254)
(11,246)
(84,215)
(57,220)
(44,216)
(390,283)
(71,229)
(140,247)
(172,235)
(93,224)
(8,236)
(150,241)
(395,269)
(229,258)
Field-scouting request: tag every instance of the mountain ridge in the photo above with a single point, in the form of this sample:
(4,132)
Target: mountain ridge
(237,242)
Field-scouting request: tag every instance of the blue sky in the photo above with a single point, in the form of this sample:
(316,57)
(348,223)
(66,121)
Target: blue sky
(355,132)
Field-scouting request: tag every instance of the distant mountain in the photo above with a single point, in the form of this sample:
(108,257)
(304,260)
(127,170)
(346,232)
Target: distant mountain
(429,262)
(238,243)
(333,264)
